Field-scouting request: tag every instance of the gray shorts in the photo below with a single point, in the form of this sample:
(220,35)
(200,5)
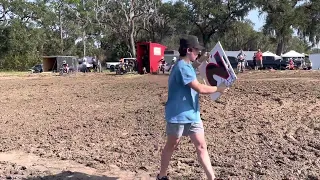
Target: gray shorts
(178,129)
(259,63)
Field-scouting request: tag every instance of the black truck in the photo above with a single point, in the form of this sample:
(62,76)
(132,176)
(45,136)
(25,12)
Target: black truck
(268,63)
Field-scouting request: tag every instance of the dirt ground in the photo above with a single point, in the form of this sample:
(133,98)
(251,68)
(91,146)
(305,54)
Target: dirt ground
(101,126)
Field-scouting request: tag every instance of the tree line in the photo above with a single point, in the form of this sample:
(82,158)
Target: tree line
(110,28)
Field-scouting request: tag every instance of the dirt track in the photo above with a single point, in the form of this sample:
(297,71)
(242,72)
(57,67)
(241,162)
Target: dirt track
(266,127)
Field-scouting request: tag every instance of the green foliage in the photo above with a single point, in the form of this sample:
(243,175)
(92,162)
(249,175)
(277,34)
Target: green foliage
(283,17)
(315,50)
(309,21)
(211,17)
(109,29)
(298,45)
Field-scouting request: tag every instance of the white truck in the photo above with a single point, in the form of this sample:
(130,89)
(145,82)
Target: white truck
(110,65)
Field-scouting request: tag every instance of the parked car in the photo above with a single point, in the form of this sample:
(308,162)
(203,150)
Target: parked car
(37,68)
(308,63)
(270,62)
(233,62)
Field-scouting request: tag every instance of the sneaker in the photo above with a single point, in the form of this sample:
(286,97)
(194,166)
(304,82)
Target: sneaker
(163,178)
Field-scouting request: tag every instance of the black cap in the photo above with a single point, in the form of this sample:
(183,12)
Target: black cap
(190,42)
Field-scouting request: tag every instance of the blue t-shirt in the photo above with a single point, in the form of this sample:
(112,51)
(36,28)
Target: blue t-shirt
(183,102)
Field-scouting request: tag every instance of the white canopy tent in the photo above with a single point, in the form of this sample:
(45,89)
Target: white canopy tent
(292,54)
(268,53)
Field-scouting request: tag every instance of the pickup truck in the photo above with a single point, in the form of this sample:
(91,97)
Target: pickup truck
(37,68)
(109,64)
(112,66)
(268,63)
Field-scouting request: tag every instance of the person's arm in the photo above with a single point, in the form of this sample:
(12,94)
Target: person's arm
(196,64)
(205,89)
(189,78)
(199,61)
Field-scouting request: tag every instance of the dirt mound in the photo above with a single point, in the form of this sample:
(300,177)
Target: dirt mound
(266,127)
(36,168)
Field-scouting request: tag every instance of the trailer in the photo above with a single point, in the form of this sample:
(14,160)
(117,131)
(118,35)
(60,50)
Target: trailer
(149,55)
(315,60)
(54,63)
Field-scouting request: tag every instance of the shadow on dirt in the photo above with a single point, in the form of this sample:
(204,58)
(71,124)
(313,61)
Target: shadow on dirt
(68,175)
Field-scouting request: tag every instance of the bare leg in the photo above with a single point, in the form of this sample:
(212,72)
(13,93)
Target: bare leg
(171,144)
(199,142)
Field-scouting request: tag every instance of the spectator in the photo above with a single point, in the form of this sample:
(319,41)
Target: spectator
(259,59)
(241,61)
(254,60)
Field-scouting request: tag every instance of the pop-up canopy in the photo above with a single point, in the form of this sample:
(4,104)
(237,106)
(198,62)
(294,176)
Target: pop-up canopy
(268,53)
(293,54)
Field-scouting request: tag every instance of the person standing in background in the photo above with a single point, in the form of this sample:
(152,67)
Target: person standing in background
(259,59)
(254,60)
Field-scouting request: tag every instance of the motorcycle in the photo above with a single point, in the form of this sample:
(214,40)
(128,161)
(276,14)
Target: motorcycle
(122,69)
(162,67)
(165,68)
(65,70)
(241,64)
(291,65)
(169,67)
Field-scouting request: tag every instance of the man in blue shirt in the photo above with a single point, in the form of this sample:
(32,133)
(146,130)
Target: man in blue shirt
(182,111)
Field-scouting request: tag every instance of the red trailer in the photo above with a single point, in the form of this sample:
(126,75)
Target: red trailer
(149,56)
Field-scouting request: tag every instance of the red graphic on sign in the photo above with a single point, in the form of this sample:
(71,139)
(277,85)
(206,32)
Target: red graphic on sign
(217,68)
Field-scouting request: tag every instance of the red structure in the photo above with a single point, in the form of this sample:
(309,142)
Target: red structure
(149,56)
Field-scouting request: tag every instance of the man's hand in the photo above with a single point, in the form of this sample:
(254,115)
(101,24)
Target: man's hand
(204,57)
(198,62)
(222,88)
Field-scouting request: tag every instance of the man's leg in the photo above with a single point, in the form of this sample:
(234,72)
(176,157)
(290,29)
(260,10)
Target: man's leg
(171,145)
(174,132)
(258,64)
(199,142)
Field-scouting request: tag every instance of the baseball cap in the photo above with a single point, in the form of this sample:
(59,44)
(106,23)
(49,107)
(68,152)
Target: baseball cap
(190,42)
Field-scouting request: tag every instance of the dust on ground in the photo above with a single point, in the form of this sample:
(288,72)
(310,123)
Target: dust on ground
(100,126)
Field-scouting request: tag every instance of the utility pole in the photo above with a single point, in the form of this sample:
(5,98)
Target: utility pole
(60,27)
(84,33)
(84,43)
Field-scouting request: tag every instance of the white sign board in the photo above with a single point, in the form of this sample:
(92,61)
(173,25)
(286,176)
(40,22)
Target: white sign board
(218,70)
(157,51)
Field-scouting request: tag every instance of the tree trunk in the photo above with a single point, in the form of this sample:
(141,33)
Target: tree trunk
(280,47)
(61,33)
(206,41)
(84,34)
(84,43)
(132,42)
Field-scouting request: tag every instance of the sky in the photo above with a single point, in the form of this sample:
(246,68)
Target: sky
(256,19)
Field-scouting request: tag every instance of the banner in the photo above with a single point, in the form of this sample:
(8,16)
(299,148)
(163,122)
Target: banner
(218,70)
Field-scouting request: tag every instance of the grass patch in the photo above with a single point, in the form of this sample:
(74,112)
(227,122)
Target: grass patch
(14,73)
